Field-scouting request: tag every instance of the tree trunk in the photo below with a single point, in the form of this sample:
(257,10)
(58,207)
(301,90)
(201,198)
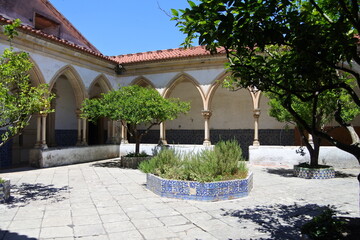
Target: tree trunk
(314,154)
(137,145)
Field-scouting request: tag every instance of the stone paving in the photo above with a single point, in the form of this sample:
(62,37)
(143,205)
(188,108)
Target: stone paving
(101,201)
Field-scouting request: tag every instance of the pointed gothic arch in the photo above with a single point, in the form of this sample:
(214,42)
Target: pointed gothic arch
(142,82)
(75,81)
(36,75)
(102,82)
(183,77)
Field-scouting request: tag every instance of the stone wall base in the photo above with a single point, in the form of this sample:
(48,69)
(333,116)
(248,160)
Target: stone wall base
(286,156)
(65,156)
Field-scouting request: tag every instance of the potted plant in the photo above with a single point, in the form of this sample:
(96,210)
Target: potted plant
(4,190)
(132,106)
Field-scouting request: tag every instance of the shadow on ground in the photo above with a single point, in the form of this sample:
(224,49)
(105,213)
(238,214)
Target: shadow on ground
(279,221)
(25,193)
(110,164)
(289,173)
(13,235)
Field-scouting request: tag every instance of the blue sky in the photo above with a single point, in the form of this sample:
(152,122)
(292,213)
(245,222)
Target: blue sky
(123,26)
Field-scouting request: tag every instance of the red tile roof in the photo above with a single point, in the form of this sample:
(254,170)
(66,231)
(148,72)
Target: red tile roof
(168,54)
(41,34)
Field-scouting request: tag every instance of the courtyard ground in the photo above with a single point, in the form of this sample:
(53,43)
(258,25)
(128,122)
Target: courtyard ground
(101,201)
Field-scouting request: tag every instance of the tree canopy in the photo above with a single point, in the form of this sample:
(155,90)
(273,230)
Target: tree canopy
(299,51)
(19,100)
(134,105)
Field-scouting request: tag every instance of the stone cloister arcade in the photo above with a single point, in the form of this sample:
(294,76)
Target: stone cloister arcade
(212,107)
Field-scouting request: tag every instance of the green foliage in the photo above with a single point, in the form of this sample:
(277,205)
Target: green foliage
(134,105)
(133,154)
(224,162)
(2,180)
(324,226)
(19,100)
(167,163)
(299,52)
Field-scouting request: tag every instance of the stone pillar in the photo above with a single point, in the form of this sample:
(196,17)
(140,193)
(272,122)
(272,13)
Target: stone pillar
(79,120)
(38,131)
(206,114)
(109,132)
(43,132)
(84,139)
(256,127)
(113,132)
(124,139)
(162,134)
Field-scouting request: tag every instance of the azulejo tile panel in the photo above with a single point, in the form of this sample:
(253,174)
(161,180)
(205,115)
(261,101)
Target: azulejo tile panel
(191,190)
(319,173)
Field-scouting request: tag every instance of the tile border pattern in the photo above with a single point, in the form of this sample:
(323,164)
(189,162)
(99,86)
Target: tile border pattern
(311,173)
(192,190)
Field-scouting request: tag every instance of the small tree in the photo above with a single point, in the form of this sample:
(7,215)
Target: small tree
(316,113)
(286,47)
(134,105)
(18,99)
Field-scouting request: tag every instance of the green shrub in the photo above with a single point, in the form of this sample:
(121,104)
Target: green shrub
(324,226)
(133,154)
(2,180)
(166,163)
(224,162)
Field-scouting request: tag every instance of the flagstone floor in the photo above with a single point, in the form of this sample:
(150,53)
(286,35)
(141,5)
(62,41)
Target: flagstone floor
(100,201)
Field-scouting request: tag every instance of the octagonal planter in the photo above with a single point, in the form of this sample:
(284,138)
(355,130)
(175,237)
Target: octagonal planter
(192,190)
(326,172)
(132,162)
(5,191)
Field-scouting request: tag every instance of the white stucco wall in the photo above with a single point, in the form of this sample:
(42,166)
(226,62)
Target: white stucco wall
(186,91)
(65,117)
(231,110)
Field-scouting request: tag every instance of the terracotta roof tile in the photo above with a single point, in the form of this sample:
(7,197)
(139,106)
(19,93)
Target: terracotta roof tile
(168,54)
(41,34)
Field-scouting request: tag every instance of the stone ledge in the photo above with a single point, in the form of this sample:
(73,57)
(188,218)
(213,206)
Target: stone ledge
(191,190)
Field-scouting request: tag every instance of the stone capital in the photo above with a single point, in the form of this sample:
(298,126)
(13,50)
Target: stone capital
(206,114)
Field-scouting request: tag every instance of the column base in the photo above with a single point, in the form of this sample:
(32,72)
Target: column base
(124,141)
(162,142)
(207,143)
(44,146)
(256,143)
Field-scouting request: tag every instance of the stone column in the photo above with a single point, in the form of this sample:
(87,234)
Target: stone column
(256,127)
(162,134)
(109,132)
(78,142)
(38,131)
(113,132)
(43,132)
(206,114)
(124,139)
(84,139)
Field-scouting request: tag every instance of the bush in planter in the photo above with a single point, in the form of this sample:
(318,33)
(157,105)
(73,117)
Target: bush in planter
(224,162)
(132,160)
(324,226)
(4,190)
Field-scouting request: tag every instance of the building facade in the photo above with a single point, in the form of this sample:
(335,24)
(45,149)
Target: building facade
(75,70)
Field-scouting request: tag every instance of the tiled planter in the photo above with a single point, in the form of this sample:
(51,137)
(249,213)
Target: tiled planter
(4,191)
(314,173)
(132,162)
(191,190)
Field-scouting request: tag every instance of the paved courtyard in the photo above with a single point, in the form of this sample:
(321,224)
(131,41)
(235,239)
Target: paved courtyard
(100,201)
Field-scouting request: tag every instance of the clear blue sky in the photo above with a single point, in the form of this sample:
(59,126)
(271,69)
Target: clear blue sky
(124,26)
